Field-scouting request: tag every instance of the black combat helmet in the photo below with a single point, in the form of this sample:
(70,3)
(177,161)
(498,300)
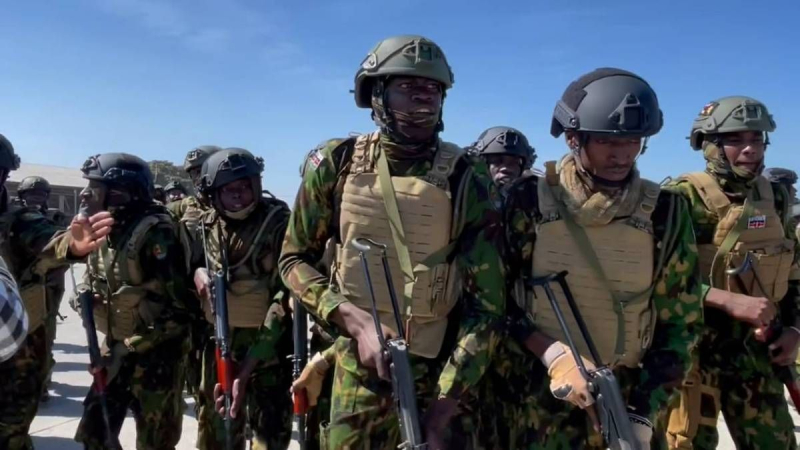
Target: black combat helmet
(229,165)
(608,101)
(8,159)
(121,170)
(175,185)
(505,141)
(198,155)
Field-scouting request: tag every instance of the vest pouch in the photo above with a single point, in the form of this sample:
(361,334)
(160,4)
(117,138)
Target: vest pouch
(443,288)
(248,304)
(124,312)
(34,296)
(772,263)
(425,336)
(684,416)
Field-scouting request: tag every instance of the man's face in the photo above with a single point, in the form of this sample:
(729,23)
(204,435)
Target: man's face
(99,196)
(416,103)
(174,195)
(35,197)
(504,168)
(608,157)
(194,174)
(236,195)
(744,149)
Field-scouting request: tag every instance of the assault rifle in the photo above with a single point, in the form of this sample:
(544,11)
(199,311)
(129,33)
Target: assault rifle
(222,333)
(786,374)
(395,351)
(97,368)
(614,420)
(299,360)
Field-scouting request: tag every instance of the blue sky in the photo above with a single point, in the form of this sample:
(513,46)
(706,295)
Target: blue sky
(156,78)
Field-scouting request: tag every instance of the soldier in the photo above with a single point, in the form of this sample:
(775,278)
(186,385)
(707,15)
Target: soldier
(159,195)
(623,242)
(242,233)
(25,245)
(188,211)
(355,188)
(738,214)
(137,277)
(35,192)
(174,192)
(507,153)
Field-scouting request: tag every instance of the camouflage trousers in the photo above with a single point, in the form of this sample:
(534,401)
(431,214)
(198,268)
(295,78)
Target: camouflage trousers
(150,386)
(23,377)
(268,405)
(738,380)
(362,408)
(54,296)
(518,411)
(201,332)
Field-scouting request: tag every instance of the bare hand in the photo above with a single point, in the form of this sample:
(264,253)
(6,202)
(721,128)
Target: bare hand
(370,353)
(784,349)
(440,413)
(202,283)
(88,233)
(757,311)
(239,389)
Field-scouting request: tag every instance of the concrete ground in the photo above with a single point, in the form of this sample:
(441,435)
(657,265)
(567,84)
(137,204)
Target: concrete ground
(57,420)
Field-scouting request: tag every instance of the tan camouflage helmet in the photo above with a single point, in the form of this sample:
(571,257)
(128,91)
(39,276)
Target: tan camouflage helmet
(406,55)
(729,115)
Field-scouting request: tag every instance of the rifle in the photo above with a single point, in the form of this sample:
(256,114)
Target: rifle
(99,372)
(786,374)
(219,304)
(614,420)
(299,360)
(395,351)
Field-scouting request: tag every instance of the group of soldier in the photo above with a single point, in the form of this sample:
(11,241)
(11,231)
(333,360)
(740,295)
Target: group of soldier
(689,289)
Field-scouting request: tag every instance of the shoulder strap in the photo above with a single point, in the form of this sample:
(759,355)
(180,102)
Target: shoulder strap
(275,207)
(136,240)
(363,157)
(444,163)
(642,215)
(708,189)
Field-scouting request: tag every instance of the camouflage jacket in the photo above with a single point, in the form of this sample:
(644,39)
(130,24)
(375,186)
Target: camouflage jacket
(705,223)
(178,208)
(314,220)
(161,258)
(26,243)
(676,297)
(239,236)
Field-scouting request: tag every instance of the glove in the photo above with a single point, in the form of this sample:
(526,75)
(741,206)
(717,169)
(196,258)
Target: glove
(642,430)
(566,381)
(312,377)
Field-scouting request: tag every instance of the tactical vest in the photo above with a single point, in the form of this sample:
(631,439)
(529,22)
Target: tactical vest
(248,284)
(753,227)
(615,298)
(428,219)
(116,274)
(31,286)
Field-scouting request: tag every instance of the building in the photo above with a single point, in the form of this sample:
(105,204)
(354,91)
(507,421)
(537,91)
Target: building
(66,184)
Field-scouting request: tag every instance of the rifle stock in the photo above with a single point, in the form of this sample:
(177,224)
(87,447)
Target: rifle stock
(98,370)
(611,408)
(396,353)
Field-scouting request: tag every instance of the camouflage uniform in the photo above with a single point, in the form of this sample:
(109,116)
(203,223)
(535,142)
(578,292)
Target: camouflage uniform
(734,373)
(252,243)
(362,407)
(26,371)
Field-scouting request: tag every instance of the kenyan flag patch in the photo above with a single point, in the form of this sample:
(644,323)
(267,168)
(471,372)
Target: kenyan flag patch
(757,222)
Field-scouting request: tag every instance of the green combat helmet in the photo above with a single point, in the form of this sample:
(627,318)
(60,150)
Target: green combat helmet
(33,183)
(406,55)
(608,101)
(174,185)
(505,141)
(729,115)
(8,159)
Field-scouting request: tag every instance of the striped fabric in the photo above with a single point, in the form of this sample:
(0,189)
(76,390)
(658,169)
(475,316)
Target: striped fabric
(13,320)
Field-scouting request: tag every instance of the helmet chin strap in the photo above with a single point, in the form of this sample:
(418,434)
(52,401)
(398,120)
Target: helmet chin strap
(598,180)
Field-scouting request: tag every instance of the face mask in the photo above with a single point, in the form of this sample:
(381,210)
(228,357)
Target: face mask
(241,214)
